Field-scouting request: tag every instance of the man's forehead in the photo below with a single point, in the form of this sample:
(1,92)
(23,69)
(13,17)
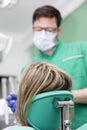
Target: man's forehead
(45,22)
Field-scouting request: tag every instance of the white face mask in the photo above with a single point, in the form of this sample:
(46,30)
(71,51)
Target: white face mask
(44,40)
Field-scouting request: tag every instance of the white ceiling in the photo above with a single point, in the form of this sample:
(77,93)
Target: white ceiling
(18,18)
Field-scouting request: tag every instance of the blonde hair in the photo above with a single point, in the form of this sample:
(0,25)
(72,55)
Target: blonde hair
(39,77)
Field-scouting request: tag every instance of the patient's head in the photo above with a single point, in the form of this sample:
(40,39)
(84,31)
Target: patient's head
(39,77)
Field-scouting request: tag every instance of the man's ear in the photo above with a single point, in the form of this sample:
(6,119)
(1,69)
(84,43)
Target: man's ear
(59,31)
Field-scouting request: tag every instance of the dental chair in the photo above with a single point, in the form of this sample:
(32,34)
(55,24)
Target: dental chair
(50,111)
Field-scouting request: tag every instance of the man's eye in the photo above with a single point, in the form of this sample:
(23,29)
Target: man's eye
(51,29)
(37,29)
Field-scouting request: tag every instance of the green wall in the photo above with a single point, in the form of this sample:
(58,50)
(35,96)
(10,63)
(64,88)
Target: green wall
(74,27)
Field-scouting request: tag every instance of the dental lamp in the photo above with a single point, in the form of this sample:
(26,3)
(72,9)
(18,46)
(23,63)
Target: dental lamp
(7,3)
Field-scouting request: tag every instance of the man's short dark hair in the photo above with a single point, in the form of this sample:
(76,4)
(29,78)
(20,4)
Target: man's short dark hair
(48,12)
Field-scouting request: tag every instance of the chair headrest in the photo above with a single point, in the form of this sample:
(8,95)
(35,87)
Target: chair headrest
(42,114)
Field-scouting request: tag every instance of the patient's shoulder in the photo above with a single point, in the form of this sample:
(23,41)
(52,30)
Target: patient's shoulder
(19,128)
(10,127)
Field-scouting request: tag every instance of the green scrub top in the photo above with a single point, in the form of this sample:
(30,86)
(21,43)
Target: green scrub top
(72,58)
